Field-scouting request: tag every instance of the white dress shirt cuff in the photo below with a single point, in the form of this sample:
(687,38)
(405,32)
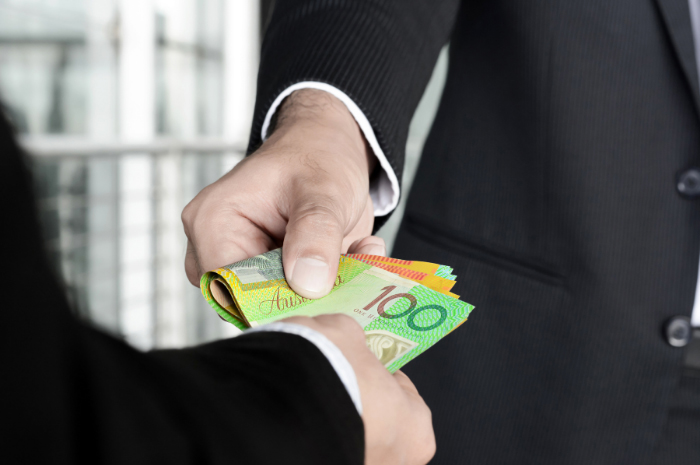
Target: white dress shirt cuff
(384,189)
(335,357)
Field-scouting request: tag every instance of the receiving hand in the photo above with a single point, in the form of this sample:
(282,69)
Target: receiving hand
(398,423)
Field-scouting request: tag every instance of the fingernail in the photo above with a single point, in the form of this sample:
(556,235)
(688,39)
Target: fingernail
(310,276)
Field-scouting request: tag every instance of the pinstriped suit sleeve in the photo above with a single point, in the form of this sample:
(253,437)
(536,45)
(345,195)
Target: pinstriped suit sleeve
(379,53)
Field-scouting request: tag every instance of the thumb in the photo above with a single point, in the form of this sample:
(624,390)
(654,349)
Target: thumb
(311,248)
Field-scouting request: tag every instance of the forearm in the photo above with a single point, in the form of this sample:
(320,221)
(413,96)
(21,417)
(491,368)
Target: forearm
(261,390)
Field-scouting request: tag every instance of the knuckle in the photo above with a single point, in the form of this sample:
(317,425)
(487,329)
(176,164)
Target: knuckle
(430,449)
(319,215)
(191,272)
(349,326)
(343,320)
(189,216)
(343,326)
(192,212)
(302,320)
(192,268)
(327,322)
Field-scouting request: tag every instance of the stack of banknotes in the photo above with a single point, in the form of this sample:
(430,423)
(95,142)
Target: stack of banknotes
(403,306)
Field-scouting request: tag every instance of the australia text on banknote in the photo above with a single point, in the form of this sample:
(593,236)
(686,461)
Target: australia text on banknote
(404,307)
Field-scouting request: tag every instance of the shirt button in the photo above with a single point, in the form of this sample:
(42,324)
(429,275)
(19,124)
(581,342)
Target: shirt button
(689,183)
(678,331)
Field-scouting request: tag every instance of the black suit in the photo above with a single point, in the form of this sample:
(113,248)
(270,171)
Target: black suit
(70,394)
(549,182)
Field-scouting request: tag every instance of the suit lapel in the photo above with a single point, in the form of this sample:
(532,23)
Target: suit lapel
(676,15)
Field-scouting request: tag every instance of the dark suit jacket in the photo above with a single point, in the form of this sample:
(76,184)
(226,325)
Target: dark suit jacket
(72,395)
(549,182)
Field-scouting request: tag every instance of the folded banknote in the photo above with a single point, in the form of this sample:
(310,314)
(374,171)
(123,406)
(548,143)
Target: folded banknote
(403,306)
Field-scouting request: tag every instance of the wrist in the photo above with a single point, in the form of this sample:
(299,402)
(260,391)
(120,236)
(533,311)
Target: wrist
(312,114)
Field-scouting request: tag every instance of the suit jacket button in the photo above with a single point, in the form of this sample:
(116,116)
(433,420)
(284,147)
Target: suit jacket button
(678,331)
(688,184)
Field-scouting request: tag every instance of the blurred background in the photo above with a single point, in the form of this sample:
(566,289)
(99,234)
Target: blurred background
(128,109)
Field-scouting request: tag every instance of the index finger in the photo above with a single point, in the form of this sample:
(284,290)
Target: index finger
(405,382)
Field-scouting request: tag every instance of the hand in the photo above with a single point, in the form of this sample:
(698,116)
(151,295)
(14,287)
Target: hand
(398,423)
(306,189)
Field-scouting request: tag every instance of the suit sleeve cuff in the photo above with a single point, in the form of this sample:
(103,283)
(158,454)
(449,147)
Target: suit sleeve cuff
(384,189)
(335,357)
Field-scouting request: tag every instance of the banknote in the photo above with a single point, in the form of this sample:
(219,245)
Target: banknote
(442,271)
(421,272)
(401,317)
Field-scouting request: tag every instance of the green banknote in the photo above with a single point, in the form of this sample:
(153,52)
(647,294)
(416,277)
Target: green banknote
(401,318)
